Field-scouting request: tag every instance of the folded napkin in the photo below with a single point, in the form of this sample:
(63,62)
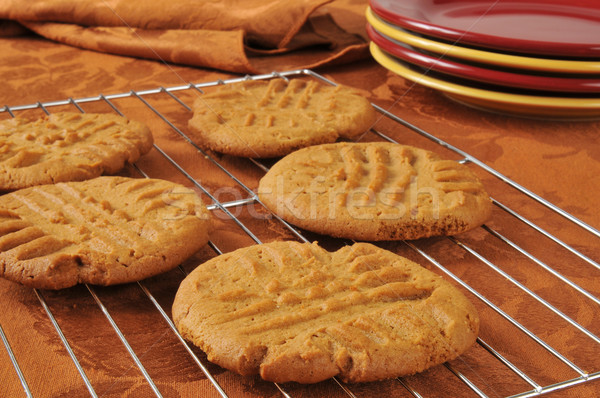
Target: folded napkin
(241,36)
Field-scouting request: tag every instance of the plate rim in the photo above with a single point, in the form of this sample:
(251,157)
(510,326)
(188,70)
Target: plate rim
(480,74)
(529,101)
(476,38)
(488,57)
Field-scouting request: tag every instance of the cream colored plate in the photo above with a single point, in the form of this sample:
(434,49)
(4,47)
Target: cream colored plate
(519,104)
(487,57)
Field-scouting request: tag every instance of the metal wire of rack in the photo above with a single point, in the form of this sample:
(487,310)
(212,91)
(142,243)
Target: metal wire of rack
(463,370)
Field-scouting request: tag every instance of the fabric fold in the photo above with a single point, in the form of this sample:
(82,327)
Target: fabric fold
(236,36)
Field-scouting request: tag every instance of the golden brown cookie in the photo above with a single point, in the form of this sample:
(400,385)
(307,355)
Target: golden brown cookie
(67,147)
(104,231)
(374,191)
(296,312)
(272,118)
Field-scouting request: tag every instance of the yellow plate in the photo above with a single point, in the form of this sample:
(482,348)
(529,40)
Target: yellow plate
(487,57)
(516,104)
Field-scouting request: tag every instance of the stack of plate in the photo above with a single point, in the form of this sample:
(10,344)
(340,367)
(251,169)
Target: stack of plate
(530,57)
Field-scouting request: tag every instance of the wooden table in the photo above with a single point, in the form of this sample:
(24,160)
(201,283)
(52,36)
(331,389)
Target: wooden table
(531,271)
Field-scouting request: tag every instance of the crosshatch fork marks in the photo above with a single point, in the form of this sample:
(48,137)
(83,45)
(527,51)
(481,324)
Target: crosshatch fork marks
(268,119)
(101,231)
(279,96)
(80,216)
(311,288)
(67,146)
(375,171)
(374,191)
(355,312)
(283,95)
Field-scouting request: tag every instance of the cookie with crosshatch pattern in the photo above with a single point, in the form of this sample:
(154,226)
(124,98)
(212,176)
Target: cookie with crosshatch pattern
(67,146)
(102,231)
(374,191)
(257,118)
(295,312)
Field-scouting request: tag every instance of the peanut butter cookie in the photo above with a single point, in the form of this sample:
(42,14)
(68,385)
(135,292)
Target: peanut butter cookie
(104,231)
(272,118)
(67,147)
(295,312)
(374,191)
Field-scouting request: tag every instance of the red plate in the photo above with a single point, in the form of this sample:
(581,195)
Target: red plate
(545,27)
(481,74)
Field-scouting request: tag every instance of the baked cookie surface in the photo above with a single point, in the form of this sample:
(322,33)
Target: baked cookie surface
(272,118)
(67,147)
(295,312)
(374,191)
(103,231)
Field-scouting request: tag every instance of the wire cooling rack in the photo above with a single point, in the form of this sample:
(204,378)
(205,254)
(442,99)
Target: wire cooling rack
(522,319)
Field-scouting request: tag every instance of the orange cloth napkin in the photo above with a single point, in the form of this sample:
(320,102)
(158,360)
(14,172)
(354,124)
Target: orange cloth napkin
(241,36)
